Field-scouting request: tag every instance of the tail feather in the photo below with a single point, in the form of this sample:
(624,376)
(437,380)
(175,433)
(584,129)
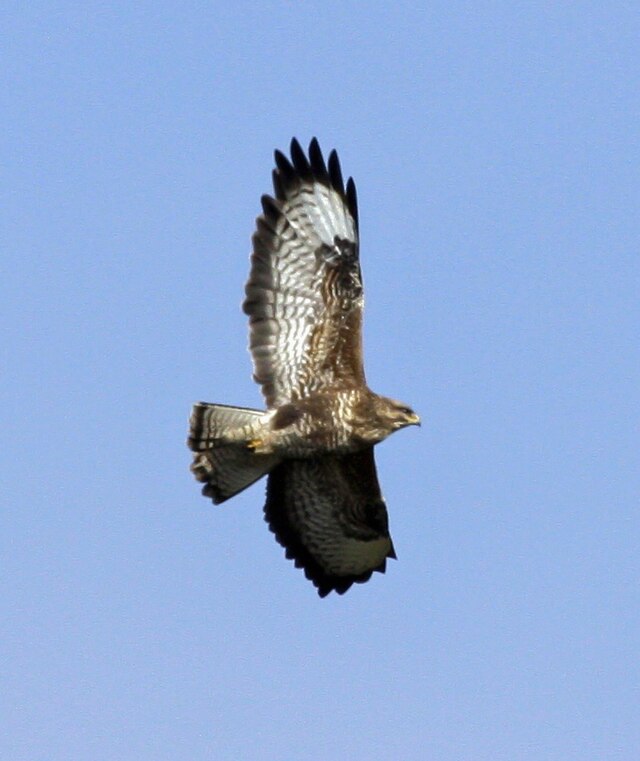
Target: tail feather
(226,468)
(211,422)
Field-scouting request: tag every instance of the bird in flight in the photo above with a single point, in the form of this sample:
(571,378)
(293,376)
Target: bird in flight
(315,440)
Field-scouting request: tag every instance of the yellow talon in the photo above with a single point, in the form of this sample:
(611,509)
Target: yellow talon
(254,443)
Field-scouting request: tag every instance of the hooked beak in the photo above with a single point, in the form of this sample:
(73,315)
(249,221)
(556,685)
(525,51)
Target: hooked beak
(415,420)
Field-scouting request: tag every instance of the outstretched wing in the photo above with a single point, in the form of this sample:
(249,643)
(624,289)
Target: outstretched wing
(304,293)
(329,515)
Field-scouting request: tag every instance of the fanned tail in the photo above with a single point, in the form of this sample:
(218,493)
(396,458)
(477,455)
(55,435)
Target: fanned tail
(226,468)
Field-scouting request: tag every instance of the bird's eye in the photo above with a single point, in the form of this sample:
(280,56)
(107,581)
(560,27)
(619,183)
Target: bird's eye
(406,410)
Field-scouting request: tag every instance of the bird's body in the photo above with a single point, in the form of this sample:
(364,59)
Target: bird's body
(341,422)
(316,437)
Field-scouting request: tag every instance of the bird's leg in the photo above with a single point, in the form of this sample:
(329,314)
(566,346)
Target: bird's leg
(258,441)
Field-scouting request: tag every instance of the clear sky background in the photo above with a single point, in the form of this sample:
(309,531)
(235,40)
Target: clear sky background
(495,147)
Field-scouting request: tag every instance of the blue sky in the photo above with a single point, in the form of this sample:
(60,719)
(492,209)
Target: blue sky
(495,149)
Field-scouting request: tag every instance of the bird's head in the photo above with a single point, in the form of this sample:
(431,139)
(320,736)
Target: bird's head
(397,415)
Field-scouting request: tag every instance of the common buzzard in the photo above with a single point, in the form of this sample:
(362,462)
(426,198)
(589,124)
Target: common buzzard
(315,440)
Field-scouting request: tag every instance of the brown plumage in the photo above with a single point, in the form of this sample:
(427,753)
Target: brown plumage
(304,299)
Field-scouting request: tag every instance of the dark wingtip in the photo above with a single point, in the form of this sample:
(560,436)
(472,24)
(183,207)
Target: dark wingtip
(288,174)
(278,187)
(302,166)
(280,159)
(270,207)
(335,172)
(300,161)
(352,199)
(317,161)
